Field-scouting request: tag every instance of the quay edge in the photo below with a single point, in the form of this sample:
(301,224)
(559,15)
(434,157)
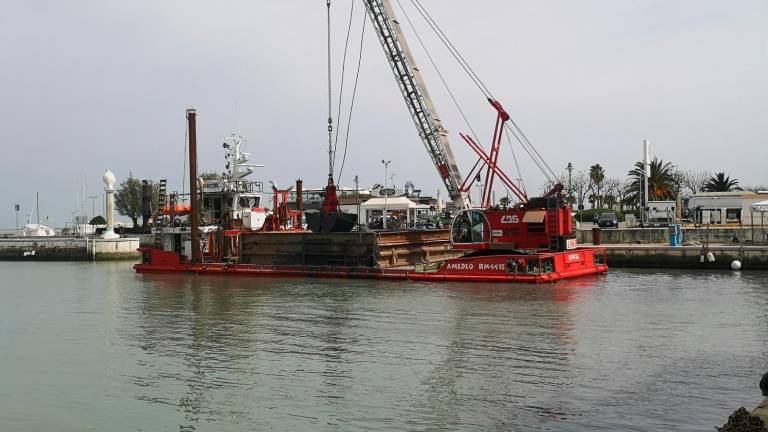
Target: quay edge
(685,257)
(68,249)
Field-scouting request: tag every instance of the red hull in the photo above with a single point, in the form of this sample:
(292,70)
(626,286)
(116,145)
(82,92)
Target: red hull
(530,268)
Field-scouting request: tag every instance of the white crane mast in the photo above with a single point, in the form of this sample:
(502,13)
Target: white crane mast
(417,99)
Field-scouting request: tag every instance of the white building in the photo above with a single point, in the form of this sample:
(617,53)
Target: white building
(726,207)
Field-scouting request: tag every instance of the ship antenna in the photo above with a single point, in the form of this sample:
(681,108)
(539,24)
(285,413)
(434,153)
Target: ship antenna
(330,108)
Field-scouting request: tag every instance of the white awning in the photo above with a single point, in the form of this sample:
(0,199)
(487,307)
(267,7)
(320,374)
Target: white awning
(394,203)
(761,206)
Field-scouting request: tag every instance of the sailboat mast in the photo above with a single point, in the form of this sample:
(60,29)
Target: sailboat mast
(37,206)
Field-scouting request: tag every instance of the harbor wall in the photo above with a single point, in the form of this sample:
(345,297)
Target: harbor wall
(686,257)
(725,235)
(67,249)
(117,249)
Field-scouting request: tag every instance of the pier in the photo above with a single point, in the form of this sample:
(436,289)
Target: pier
(68,249)
(686,257)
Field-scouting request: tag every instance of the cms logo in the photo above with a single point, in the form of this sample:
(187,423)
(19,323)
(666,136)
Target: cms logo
(510,219)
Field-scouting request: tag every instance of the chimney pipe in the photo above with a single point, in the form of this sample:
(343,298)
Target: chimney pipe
(300,199)
(194,205)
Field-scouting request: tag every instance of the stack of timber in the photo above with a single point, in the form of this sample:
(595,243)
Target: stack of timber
(353,249)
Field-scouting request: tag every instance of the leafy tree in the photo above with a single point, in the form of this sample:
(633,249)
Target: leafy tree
(596,176)
(721,183)
(504,201)
(128,200)
(98,220)
(661,185)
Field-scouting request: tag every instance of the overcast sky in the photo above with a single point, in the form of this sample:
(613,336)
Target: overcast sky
(90,85)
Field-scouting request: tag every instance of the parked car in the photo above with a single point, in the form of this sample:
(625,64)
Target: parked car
(608,220)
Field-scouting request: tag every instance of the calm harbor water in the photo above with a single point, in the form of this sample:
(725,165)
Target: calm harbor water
(92,346)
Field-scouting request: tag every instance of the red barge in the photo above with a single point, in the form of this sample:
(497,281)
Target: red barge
(231,234)
(531,241)
(536,268)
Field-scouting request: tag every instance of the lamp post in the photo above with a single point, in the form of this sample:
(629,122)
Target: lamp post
(570,183)
(646,177)
(386,194)
(93,205)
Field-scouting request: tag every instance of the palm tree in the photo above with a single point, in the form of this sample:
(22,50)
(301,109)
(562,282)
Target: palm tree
(597,175)
(721,183)
(661,184)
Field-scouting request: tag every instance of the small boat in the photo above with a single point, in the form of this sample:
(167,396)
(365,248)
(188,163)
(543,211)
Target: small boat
(37,230)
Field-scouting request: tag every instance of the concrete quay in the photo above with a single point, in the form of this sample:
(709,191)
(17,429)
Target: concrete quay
(685,257)
(721,235)
(68,249)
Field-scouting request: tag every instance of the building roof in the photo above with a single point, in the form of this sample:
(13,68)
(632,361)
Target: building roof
(724,194)
(761,206)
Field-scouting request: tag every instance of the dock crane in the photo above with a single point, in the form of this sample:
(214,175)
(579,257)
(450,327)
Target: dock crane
(431,131)
(535,223)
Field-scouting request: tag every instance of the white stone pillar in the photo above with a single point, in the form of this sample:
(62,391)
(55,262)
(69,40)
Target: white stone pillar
(109,205)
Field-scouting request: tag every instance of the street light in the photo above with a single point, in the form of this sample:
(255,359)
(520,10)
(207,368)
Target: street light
(384,218)
(570,182)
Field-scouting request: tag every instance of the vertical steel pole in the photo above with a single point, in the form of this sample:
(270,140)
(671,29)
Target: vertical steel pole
(646,174)
(194,204)
(300,202)
(386,195)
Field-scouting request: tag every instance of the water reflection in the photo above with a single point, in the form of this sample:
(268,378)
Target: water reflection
(361,355)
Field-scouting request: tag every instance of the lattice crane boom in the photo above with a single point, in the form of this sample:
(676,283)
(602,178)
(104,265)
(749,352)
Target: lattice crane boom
(417,99)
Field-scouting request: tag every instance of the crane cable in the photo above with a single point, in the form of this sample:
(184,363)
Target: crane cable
(541,163)
(453,98)
(354,93)
(330,104)
(477,81)
(445,83)
(439,74)
(341,85)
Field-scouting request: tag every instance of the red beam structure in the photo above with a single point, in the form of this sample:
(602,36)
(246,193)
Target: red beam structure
(491,161)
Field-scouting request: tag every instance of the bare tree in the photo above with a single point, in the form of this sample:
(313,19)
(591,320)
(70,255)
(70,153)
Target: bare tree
(624,193)
(693,181)
(611,187)
(582,186)
(757,188)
